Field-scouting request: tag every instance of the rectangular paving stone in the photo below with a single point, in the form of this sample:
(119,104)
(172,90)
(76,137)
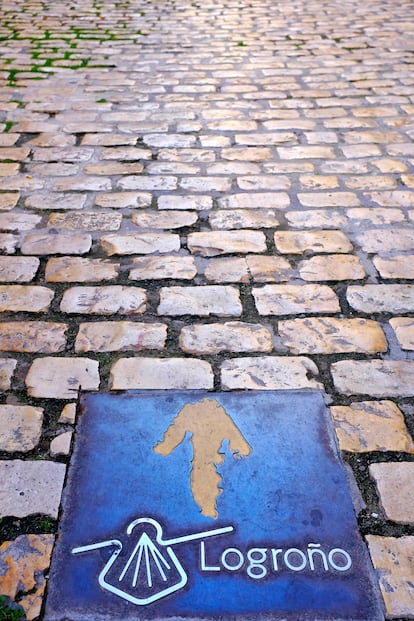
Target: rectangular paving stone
(202,301)
(298,242)
(377,378)
(233,336)
(164,220)
(381,298)
(8,200)
(18,269)
(268,373)
(30,487)
(393,559)
(206,184)
(29,298)
(21,427)
(46,242)
(255,200)
(61,378)
(185,202)
(295,299)
(328,335)
(76,269)
(240,548)
(7,369)
(19,221)
(213,243)
(105,336)
(328,199)
(404,331)
(155,182)
(43,337)
(386,240)
(85,220)
(161,374)
(158,268)
(368,426)
(227,270)
(56,200)
(331,267)
(119,200)
(140,243)
(395,485)
(104,300)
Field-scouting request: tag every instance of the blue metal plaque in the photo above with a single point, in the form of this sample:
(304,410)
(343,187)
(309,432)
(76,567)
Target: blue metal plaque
(207,506)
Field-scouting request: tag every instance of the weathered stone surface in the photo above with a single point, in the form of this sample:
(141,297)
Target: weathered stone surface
(404,330)
(187,202)
(378,378)
(30,487)
(202,301)
(393,560)
(332,267)
(295,299)
(386,240)
(369,426)
(28,298)
(233,336)
(328,199)
(228,269)
(8,243)
(268,373)
(25,560)
(214,243)
(255,200)
(161,374)
(243,219)
(61,378)
(395,484)
(105,336)
(157,268)
(263,182)
(140,243)
(381,298)
(61,444)
(106,300)
(297,242)
(20,427)
(155,182)
(393,198)
(74,269)
(7,368)
(56,201)
(8,200)
(164,220)
(18,269)
(328,335)
(56,243)
(316,218)
(18,221)
(41,337)
(268,269)
(85,220)
(82,184)
(398,266)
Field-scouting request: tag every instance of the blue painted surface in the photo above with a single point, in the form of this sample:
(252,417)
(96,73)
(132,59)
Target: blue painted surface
(289,492)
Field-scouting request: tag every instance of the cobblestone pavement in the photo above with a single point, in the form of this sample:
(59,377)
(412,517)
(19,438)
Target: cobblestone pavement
(207,195)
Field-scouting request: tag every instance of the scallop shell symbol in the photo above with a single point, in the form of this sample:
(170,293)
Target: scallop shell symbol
(151,571)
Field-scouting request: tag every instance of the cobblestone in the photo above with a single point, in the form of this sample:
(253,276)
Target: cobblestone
(395,488)
(21,427)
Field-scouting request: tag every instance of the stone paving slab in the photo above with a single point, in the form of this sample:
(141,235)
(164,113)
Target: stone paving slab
(214,196)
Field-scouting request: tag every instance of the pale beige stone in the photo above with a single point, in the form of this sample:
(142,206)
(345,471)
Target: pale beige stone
(381,298)
(386,240)
(247,154)
(18,269)
(328,335)
(319,182)
(393,198)
(395,484)
(82,184)
(268,373)
(298,242)
(34,299)
(103,336)
(154,182)
(8,243)
(43,337)
(328,199)
(140,243)
(234,336)
(263,268)
(305,152)
(243,219)
(18,221)
(30,487)
(61,444)
(164,220)
(7,368)
(255,200)
(404,331)
(208,183)
(393,559)
(125,153)
(375,215)
(61,378)
(332,267)
(228,269)
(56,201)
(295,299)
(203,301)
(369,426)
(397,266)
(20,427)
(75,269)
(157,268)
(187,202)
(316,218)
(377,378)
(213,243)
(68,414)
(263,182)
(26,558)
(161,374)
(105,300)
(56,243)
(85,220)
(8,200)
(120,200)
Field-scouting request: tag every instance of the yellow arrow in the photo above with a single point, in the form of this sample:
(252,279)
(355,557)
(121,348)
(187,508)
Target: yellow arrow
(210,425)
